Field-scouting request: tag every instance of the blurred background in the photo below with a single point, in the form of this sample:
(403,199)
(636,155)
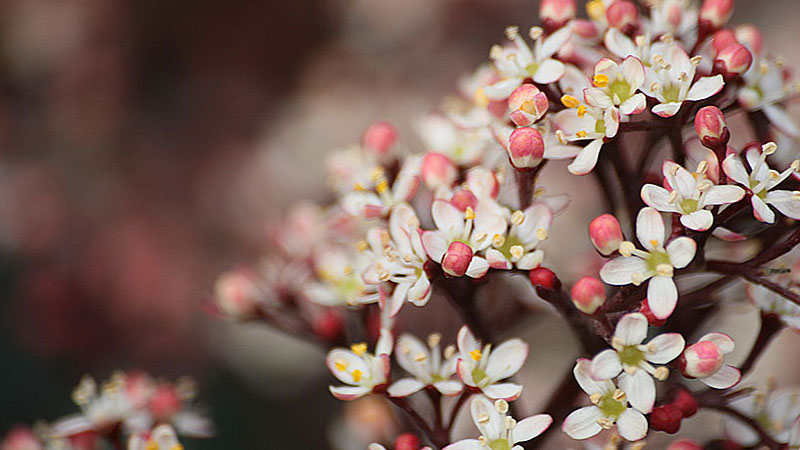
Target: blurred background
(144,148)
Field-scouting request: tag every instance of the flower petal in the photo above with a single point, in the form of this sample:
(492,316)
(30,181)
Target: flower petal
(665,347)
(506,359)
(662,296)
(349,392)
(530,427)
(549,71)
(405,387)
(339,357)
(447,217)
(640,389)
(781,120)
(721,340)
(618,271)
(481,409)
(583,375)
(634,105)
(586,159)
(435,245)
(505,391)
(727,376)
(699,220)
(449,387)
(597,98)
(420,291)
(531,260)
(666,109)
(720,195)
(631,329)
(681,251)
(761,211)
(657,197)
(582,423)
(466,341)
(477,267)
(705,87)
(466,444)
(650,228)
(632,425)
(734,168)
(606,365)
(784,202)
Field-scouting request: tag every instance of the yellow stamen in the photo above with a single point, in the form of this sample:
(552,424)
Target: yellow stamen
(654,242)
(357,375)
(362,246)
(359,349)
(341,366)
(600,80)
(581,134)
(348,270)
(596,10)
(382,186)
(570,101)
(476,354)
(480,98)
(469,213)
(151,445)
(581,111)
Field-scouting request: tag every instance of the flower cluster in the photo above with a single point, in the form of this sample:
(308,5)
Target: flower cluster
(148,413)
(637,97)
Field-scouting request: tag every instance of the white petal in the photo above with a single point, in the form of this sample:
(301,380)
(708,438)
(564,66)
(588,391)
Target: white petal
(781,120)
(349,359)
(699,220)
(530,427)
(657,197)
(606,365)
(721,340)
(477,267)
(619,44)
(502,89)
(666,109)
(634,105)
(720,195)
(449,387)
(531,260)
(633,71)
(554,42)
(375,446)
(582,423)
(482,408)
(408,348)
(466,444)
(728,235)
(618,271)
(497,260)
(632,329)
(761,211)
(349,392)
(405,387)
(420,292)
(466,341)
(681,251)
(632,425)
(705,87)
(435,245)
(583,375)
(727,376)
(397,299)
(665,347)
(447,217)
(505,391)
(586,159)
(662,296)
(640,389)
(549,71)
(597,98)
(735,170)
(783,202)
(506,359)
(650,228)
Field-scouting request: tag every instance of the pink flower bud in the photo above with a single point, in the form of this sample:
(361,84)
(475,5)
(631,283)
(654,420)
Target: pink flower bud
(21,438)
(623,15)
(722,39)
(528,104)
(236,294)
(585,29)
(438,170)
(406,441)
(543,277)
(588,294)
(164,402)
(556,13)
(648,314)
(700,360)
(709,123)
(733,61)
(525,148)
(379,138)
(666,418)
(456,259)
(685,401)
(714,14)
(605,233)
(750,36)
(464,198)
(674,14)
(328,325)
(684,444)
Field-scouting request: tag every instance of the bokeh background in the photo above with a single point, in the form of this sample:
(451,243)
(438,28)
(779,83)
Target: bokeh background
(146,145)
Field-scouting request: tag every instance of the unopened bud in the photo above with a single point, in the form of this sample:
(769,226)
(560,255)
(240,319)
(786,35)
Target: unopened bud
(666,418)
(556,13)
(328,325)
(236,294)
(527,104)
(438,170)
(407,441)
(588,294)
(585,29)
(379,138)
(525,148)
(700,360)
(544,277)
(709,123)
(733,61)
(623,15)
(714,14)
(751,37)
(685,401)
(605,233)
(457,258)
(722,39)
(463,199)
(684,444)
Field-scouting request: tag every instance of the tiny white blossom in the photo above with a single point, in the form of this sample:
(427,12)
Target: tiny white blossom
(360,370)
(426,365)
(500,431)
(484,368)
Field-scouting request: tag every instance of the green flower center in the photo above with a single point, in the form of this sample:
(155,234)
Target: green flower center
(631,356)
(600,126)
(762,194)
(478,375)
(671,92)
(611,407)
(689,205)
(656,259)
(499,444)
(511,241)
(532,68)
(621,89)
(349,288)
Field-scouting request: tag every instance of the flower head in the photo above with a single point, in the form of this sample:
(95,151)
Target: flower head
(361,371)
(425,364)
(704,360)
(484,368)
(500,431)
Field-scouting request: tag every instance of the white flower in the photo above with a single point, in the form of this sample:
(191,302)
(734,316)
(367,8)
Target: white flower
(630,355)
(459,235)
(498,430)
(360,370)
(162,437)
(400,260)
(616,85)
(371,204)
(339,281)
(636,266)
(610,406)
(704,360)
(688,194)
(518,246)
(583,123)
(463,147)
(670,77)
(776,411)
(761,180)
(100,408)
(764,89)
(484,368)
(517,62)
(426,365)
